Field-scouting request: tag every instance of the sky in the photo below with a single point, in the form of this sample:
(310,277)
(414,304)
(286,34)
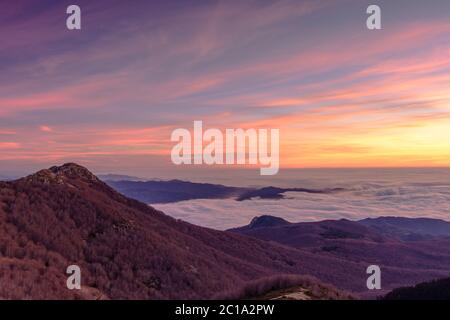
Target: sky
(109,95)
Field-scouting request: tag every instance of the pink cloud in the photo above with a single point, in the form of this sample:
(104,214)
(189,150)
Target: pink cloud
(9,145)
(45,129)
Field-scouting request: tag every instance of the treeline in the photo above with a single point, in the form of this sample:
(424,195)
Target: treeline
(433,290)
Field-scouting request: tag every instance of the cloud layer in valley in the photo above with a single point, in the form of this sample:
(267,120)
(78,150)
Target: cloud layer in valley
(431,200)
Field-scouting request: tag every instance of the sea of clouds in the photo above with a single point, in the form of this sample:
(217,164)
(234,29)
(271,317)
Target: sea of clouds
(358,201)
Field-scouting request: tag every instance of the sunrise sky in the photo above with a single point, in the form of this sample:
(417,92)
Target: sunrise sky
(109,96)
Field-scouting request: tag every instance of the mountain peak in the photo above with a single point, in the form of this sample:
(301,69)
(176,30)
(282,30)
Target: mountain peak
(59,174)
(267,221)
(73,170)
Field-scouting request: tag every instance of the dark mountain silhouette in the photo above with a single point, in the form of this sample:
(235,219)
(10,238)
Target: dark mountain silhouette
(173,191)
(157,191)
(266,221)
(432,290)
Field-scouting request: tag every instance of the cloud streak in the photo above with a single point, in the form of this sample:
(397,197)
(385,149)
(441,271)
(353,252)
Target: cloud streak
(340,95)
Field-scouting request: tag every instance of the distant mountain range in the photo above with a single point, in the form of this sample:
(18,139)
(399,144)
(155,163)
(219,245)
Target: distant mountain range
(5,178)
(409,229)
(377,229)
(118,177)
(153,192)
(127,250)
(418,245)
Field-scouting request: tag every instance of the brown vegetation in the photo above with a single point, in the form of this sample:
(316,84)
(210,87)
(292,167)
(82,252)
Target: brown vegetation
(126,249)
(283,286)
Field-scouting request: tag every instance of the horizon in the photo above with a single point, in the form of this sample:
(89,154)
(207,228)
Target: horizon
(209,169)
(351,194)
(287,177)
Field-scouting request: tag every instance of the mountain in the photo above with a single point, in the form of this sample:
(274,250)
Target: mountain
(127,250)
(432,290)
(266,221)
(152,192)
(308,234)
(409,229)
(157,191)
(118,177)
(354,241)
(278,193)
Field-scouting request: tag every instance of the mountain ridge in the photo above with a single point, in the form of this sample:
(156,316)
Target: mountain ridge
(128,250)
(175,190)
(357,242)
